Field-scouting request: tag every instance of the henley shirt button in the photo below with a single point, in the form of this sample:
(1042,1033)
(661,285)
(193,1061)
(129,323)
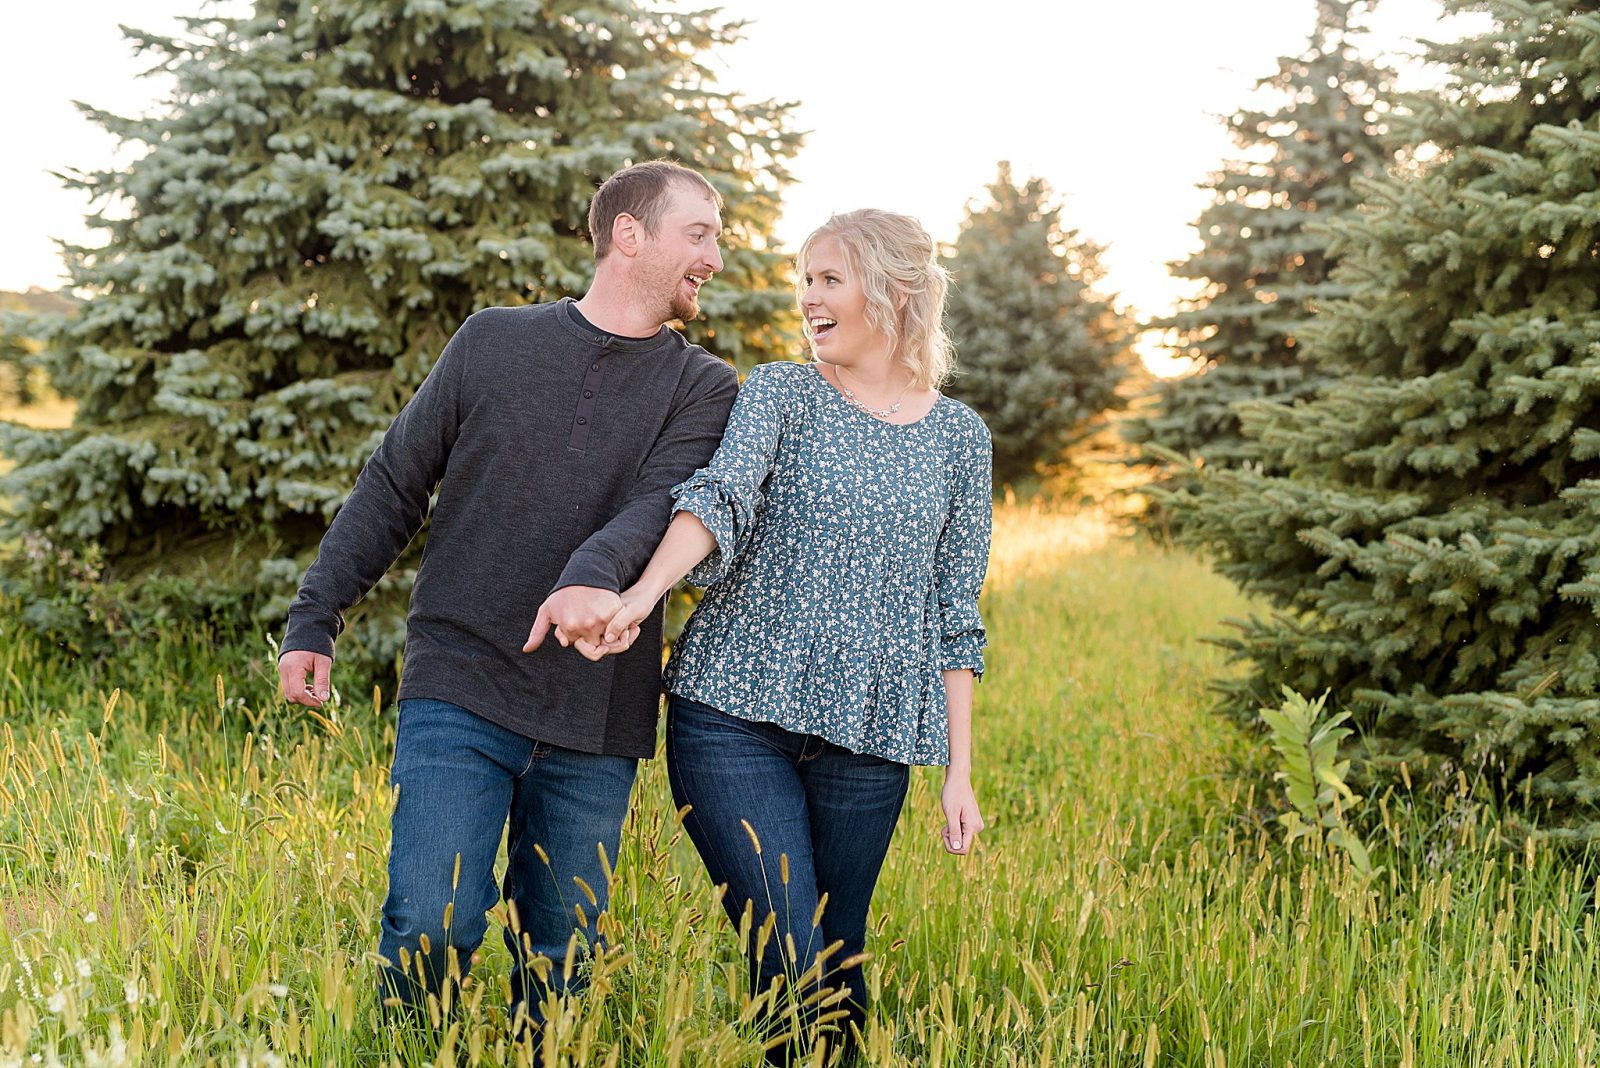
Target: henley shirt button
(582,421)
(588,393)
(594,367)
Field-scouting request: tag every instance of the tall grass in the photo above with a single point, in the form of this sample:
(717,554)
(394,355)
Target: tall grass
(190,873)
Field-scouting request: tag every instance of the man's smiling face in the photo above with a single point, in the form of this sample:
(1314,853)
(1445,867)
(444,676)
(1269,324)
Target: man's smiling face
(683,254)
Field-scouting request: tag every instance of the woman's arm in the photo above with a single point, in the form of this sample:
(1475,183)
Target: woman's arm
(962,819)
(714,509)
(686,543)
(961,560)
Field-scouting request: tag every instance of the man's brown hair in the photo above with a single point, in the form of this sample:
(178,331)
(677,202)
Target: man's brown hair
(641,191)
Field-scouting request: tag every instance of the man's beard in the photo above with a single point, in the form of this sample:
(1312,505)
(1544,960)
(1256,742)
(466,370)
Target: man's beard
(684,308)
(663,291)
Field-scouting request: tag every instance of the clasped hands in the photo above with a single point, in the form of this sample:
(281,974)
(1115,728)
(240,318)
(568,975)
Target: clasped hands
(598,623)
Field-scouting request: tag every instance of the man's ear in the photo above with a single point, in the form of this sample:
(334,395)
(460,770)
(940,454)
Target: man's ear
(626,233)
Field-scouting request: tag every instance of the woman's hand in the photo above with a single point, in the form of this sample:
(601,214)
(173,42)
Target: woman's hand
(623,628)
(962,820)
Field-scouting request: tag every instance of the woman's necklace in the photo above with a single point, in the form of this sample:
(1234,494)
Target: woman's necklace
(861,405)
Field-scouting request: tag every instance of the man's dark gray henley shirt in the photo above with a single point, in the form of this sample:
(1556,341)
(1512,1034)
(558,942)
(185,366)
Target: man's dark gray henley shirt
(553,447)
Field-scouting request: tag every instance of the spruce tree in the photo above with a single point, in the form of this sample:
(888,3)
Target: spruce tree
(1432,543)
(1039,351)
(330,190)
(1263,264)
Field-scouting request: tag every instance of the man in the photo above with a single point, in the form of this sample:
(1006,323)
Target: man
(553,434)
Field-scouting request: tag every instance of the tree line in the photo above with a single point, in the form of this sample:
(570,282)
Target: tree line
(1392,438)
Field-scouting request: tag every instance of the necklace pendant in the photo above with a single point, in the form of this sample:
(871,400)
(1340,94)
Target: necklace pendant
(860,405)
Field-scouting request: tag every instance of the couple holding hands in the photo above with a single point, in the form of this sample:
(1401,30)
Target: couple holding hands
(583,453)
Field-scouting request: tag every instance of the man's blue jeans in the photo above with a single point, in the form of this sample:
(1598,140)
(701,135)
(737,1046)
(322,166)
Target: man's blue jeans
(458,777)
(828,811)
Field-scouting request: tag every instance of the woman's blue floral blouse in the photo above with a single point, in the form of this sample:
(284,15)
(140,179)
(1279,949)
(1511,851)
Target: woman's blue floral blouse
(850,553)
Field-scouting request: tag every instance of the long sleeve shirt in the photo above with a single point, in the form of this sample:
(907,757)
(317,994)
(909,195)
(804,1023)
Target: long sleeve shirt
(850,555)
(553,448)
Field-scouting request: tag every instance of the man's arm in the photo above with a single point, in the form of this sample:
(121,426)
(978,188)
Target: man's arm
(374,525)
(585,596)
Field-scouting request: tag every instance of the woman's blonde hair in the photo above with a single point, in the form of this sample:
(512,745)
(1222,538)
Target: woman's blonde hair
(899,271)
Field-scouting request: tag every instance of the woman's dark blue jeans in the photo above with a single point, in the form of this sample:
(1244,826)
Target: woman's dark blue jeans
(458,779)
(764,799)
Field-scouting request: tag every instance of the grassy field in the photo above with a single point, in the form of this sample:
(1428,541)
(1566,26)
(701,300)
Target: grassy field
(191,874)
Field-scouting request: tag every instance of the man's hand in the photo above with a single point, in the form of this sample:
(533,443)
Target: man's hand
(293,666)
(623,628)
(577,613)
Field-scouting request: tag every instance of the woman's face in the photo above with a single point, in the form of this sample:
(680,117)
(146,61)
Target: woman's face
(834,308)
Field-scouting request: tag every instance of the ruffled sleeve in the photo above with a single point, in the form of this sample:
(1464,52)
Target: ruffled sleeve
(961,558)
(725,495)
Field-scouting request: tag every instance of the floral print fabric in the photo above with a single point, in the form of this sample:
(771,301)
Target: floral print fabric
(850,554)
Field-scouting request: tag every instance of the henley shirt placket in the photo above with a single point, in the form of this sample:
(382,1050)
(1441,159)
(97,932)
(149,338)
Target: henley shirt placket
(583,419)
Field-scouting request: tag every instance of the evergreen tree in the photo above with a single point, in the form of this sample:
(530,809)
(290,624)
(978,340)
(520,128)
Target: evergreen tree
(333,187)
(1264,267)
(1039,352)
(1433,550)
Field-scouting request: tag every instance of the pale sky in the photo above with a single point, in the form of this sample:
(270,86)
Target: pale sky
(909,107)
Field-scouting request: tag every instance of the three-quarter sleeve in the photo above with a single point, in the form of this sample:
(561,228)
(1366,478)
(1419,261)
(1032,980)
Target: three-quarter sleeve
(961,558)
(725,495)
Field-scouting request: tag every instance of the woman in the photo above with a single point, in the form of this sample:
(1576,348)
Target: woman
(842,534)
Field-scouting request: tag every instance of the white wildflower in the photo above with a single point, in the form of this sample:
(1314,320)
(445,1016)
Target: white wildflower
(278,990)
(56,1002)
(130,992)
(91,917)
(83,968)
